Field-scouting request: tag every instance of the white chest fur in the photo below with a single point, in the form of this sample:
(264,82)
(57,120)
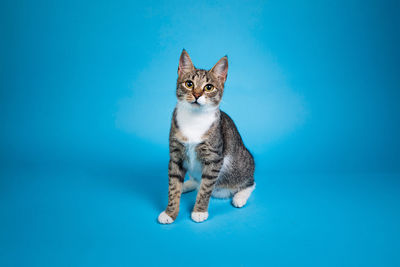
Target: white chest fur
(193,124)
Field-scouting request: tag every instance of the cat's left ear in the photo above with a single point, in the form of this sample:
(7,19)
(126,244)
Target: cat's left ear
(221,69)
(185,63)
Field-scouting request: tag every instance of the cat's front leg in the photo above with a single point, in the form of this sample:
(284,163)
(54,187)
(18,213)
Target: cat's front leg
(212,163)
(176,175)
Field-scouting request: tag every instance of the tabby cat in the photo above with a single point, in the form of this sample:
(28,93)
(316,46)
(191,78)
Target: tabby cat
(205,143)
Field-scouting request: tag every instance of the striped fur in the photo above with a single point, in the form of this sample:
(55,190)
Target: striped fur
(205,143)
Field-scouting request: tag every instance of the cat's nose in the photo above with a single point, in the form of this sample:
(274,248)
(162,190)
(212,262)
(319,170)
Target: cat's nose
(196,95)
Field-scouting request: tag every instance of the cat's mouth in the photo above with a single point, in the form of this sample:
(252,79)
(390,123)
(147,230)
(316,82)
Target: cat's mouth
(195,103)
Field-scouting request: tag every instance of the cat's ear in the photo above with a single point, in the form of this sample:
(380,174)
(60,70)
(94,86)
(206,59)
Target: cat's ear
(185,63)
(221,69)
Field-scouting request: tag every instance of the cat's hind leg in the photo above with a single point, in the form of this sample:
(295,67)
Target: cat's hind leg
(240,198)
(190,185)
(221,193)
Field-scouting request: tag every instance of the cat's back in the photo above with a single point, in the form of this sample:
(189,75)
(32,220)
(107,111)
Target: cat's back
(233,143)
(229,130)
(239,172)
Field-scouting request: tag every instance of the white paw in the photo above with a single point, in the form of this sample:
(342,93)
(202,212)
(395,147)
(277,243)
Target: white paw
(199,216)
(241,197)
(164,218)
(239,201)
(189,186)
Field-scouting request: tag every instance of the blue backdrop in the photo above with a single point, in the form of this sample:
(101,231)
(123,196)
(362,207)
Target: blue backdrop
(86,94)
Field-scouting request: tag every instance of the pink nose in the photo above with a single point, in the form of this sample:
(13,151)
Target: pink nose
(196,95)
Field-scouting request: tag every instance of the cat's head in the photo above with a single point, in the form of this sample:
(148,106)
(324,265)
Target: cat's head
(198,88)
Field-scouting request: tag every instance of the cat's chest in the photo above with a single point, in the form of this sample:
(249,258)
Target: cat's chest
(192,127)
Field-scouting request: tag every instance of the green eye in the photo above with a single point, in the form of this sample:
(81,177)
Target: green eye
(189,84)
(208,87)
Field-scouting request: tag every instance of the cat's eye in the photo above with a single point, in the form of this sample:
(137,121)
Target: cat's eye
(208,87)
(189,84)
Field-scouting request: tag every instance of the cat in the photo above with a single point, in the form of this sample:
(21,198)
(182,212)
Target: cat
(205,143)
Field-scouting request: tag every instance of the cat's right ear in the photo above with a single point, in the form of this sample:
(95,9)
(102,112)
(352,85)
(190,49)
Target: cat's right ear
(221,69)
(185,63)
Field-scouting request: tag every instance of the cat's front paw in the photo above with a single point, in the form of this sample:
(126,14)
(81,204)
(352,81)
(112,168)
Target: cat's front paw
(164,218)
(199,216)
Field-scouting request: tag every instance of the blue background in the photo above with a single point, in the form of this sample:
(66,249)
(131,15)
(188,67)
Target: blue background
(86,94)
